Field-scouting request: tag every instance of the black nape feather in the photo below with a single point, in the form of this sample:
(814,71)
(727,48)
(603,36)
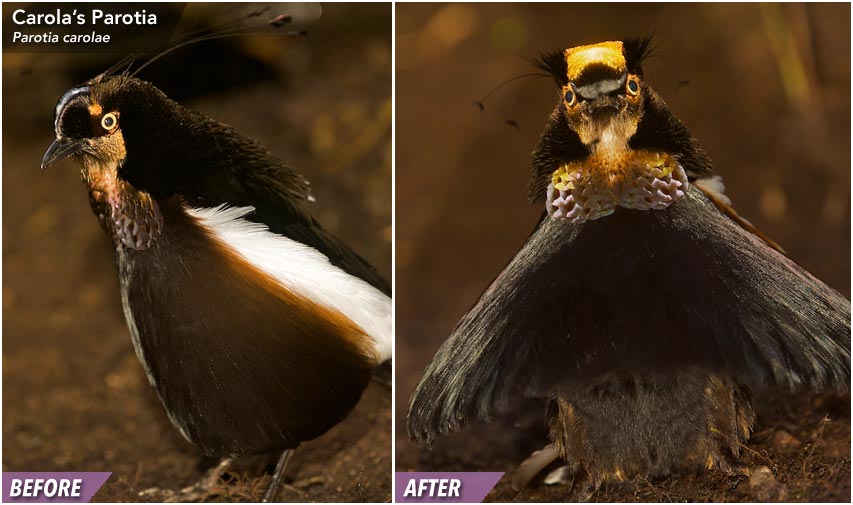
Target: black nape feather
(554,63)
(636,50)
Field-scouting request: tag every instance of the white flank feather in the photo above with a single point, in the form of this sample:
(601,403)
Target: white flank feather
(715,186)
(303,270)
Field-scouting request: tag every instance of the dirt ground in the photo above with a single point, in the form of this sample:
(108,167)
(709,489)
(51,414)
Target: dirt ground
(75,397)
(766,90)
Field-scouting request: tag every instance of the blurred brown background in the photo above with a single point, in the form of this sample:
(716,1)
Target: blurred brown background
(766,90)
(75,397)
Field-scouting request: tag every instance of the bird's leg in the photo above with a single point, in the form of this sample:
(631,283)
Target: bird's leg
(278,476)
(197,492)
(584,485)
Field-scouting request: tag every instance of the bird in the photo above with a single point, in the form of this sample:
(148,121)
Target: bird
(643,310)
(257,328)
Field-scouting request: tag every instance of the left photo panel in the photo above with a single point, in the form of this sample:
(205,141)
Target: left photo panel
(197,208)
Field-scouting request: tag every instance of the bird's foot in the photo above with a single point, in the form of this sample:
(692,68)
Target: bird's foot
(583,485)
(728,465)
(198,492)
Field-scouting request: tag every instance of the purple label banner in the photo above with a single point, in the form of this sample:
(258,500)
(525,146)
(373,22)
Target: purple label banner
(52,487)
(444,487)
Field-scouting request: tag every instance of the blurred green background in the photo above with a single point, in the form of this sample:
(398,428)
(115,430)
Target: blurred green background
(764,87)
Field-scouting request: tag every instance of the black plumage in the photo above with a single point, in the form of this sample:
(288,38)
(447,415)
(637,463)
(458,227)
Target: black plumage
(241,366)
(227,168)
(646,330)
(245,359)
(681,287)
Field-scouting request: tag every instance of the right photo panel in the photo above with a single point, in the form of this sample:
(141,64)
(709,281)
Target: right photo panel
(623,252)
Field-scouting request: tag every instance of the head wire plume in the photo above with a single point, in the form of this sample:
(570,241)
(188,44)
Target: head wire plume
(531,78)
(554,64)
(679,78)
(258,20)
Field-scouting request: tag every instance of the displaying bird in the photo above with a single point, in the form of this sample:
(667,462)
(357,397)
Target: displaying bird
(258,329)
(643,308)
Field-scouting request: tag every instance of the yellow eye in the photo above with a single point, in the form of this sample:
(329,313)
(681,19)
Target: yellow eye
(633,86)
(109,121)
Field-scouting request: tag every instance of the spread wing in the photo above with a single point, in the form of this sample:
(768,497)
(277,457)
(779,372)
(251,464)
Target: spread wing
(643,291)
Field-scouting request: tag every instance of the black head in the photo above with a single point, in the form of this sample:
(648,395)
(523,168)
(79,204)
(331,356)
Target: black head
(600,90)
(84,129)
(129,126)
(100,121)
(604,103)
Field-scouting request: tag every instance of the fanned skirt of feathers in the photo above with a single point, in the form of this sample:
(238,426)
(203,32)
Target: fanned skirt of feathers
(636,292)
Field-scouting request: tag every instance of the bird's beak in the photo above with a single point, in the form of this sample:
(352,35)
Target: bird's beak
(603,101)
(603,108)
(60,148)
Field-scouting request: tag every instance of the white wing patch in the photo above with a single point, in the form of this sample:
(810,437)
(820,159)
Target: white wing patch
(303,270)
(715,186)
